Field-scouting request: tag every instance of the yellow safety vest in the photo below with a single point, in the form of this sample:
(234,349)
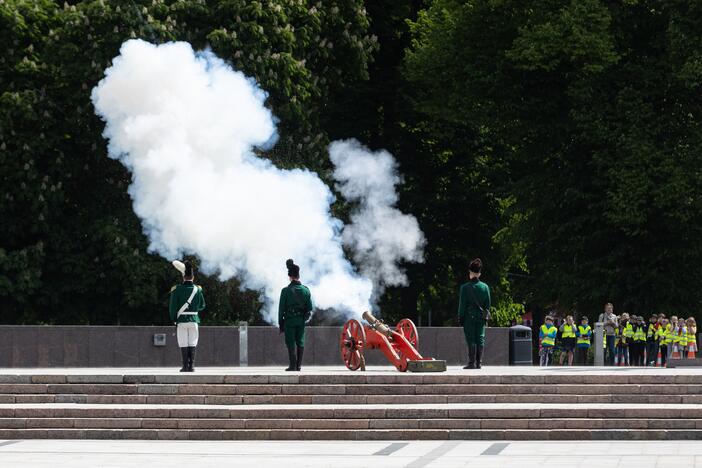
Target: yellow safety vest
(548,340)
(639,334)
(666,336)
(674,337)
(584,335)
(568,331)
(651,330)
(682,336)
(691,336)
(626,332)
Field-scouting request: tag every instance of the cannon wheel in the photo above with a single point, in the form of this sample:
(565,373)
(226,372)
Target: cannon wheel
(406,328)
(352,343)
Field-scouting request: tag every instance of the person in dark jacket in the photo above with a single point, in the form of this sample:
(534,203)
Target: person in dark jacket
(294,310)
(473,312)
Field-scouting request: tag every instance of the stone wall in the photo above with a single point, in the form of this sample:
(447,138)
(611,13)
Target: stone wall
(124,346)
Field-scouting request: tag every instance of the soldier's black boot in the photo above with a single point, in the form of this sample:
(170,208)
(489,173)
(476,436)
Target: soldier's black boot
(478,356)
(471,357)
(293,360)
(184,355)
(300,350)
(191,359)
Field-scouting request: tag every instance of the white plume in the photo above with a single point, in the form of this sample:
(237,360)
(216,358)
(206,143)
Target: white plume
(379,235)
(185,125)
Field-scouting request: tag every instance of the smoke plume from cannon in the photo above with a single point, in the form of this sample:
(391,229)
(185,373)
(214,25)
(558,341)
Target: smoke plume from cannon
(185,124)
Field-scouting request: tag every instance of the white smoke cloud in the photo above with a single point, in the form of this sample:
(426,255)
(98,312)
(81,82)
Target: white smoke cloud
(380,236)
(185,125)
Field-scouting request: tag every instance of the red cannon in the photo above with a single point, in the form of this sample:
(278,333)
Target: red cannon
(399,345)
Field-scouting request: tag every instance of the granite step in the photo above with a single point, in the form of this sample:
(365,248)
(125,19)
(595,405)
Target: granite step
(349,424)
(638,376)
(350,434)
(357,411)
(345,389)
(179,399)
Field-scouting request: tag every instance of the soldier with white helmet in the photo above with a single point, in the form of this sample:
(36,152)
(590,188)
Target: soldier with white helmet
(187,301)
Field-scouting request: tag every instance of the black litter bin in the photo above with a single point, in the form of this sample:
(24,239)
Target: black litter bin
(520,346)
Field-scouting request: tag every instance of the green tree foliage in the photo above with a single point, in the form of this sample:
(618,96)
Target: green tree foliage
(72,251)
(450,180)
(593,107)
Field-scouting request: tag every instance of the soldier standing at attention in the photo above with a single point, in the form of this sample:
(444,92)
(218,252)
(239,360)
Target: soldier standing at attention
(474,312)
(187,301)
(293,312)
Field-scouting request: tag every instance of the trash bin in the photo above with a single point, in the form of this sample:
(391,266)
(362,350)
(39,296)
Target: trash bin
(520,346)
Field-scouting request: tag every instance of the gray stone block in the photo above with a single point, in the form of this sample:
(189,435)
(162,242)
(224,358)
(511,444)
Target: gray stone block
(126,346)
(101,347)
(25,349)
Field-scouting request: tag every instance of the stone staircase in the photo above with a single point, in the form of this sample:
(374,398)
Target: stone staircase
(355,406)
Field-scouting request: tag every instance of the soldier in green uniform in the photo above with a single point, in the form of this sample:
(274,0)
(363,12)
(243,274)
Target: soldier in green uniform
(293,312)
(473,311)
(187,301)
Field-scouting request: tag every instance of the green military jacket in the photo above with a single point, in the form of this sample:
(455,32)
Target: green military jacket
(295,301)
(179,296)
(467,307)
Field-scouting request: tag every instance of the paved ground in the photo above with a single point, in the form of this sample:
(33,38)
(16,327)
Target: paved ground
(336,370)
(162,454)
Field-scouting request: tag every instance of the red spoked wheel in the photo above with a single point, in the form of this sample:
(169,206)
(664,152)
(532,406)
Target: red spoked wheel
(406,328)
(352,343)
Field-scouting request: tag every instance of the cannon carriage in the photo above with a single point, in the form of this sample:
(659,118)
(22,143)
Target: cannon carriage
(400,346)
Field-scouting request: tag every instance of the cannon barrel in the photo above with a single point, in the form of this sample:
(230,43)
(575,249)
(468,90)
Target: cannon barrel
(376,324)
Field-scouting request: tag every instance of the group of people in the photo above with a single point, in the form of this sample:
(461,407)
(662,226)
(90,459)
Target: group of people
(187,301)
(629,340)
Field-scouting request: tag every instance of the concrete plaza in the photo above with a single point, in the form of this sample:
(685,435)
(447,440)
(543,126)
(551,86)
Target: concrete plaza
(387,454)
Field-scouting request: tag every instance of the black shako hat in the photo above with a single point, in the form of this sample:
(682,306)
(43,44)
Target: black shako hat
(188,273)
(293,270)
(476,265)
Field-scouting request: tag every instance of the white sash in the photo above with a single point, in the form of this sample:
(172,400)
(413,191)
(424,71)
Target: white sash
(182,310)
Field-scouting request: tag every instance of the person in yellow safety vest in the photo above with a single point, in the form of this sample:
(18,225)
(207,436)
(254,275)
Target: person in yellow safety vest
(666,341)
(682,338)
(568,333)
(652,341)
(584,337)
(639,345)
(547,340)
(673,338)
(691,336)
(626,336)
(670,327)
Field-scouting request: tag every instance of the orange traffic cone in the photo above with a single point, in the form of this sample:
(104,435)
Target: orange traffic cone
(676,352)
(691,352)
(659,359)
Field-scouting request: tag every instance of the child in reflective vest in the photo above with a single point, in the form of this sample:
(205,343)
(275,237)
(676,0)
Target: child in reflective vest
(682,338)
(652,341)
(664,336)
(639,344)
(547,340)
(625,333)
(691,336)
(673,338)
(584,337)
(568,337)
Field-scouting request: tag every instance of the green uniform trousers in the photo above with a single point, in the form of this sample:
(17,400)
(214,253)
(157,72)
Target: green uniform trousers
(295,332)
(474,330)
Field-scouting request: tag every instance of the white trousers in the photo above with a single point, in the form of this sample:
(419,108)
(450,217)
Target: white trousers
(187,334)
